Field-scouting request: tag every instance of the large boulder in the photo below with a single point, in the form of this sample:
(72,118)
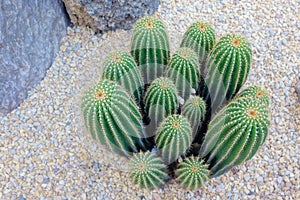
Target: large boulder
(103,15)
(30,35)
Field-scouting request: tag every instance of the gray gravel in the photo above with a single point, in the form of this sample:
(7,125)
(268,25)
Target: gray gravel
(46,154)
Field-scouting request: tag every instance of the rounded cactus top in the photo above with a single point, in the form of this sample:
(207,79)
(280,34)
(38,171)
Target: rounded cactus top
(247,110)
(148,170)
(175,123)
(103,92)
(257,93)
(186,54)
(196,103)
(149,23)
(202,27)
(192,173)
(161,84)
(234,42)
(116,64)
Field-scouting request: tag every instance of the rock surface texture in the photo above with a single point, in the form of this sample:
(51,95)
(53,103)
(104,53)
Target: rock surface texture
(30,35)
(103,15)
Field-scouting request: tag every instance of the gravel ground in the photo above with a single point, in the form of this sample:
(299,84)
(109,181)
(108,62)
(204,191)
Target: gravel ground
(46,155)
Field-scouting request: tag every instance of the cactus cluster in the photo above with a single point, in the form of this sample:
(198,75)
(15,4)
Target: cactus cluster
(156,110)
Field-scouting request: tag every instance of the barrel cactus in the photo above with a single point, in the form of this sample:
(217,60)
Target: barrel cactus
(158,110)
(183,70)
(194,109)
(150,47)
(160,101)
(148,170)
(113,118)
(120,66)
(173,137)
(255,92)
(192,173)
(227,68)
(235,134)
(200,37)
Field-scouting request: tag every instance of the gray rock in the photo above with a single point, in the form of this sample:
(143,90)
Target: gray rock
(298,90)
(30,35)
(103,15)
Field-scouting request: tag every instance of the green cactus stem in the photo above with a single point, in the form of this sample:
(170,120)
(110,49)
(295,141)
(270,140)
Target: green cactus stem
(227,69)
(235,134)
(121,67)
(160,101)
(173,137)
(200,37)
(150,47)
(113,118)
(183,70)
(194,110)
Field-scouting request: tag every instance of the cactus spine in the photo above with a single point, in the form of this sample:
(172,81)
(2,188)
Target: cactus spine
(112,117)
(194,109)
(183,70)
(255,92)
(148,170)
(227,69)
(200,37)
(235,134)
(121,67)
(160,100)
(173,137)
(150,47)
(192,173)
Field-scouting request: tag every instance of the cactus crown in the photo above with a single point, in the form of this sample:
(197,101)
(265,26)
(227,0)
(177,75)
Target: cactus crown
(103,92)
(116,64)
(148,170)
(255,92)
(149,23)
(192,173)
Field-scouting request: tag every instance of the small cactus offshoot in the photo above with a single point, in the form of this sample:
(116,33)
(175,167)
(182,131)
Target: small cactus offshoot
(200,37)
(194,109)
(235,134)
(113,118)
(173,137)
(192,173)
(121,67)
(150,47)
(183,70)
(148,170)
